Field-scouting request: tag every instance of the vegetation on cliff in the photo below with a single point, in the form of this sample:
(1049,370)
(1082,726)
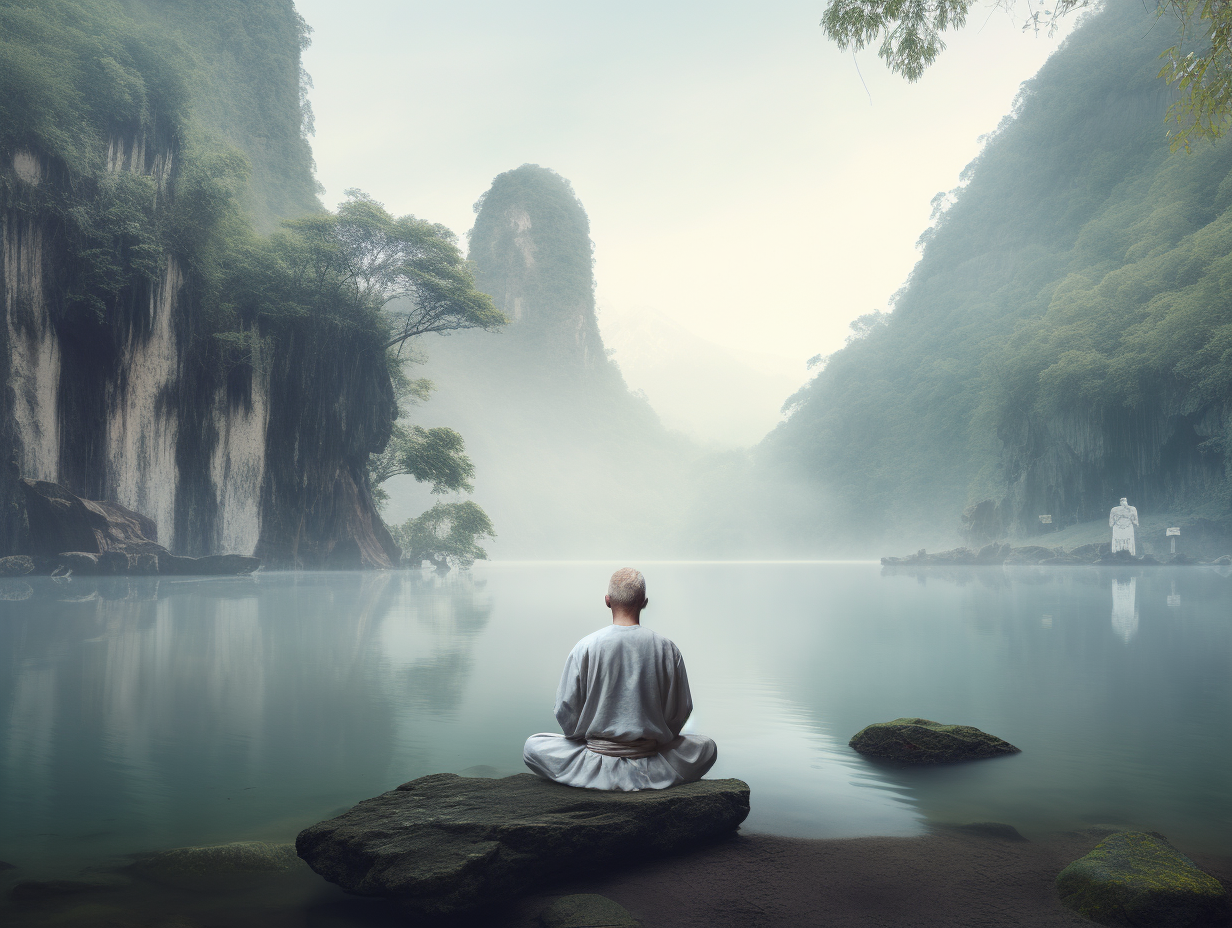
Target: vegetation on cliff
(1066,336)
(160,150)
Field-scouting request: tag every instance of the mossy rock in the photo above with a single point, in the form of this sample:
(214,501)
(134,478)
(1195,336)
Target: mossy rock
(921,741)
(1135,878)
(587,910)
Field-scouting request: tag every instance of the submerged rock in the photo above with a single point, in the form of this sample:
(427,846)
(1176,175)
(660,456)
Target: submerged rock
(1136,878)
(444,843)
(206,867)
(44,890)
(920,741)
(587,910)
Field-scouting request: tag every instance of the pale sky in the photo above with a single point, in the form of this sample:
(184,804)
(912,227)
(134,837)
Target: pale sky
(746,189)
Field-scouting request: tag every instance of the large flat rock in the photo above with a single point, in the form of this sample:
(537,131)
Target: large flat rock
(445,843)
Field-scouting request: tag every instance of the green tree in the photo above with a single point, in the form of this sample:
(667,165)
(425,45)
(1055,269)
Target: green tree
(447,535)
(910,34)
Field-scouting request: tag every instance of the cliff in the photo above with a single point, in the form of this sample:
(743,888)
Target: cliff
(1062,341)
(569,463)
(130,374)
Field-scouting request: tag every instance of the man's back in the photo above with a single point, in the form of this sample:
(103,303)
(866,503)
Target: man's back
(624,683)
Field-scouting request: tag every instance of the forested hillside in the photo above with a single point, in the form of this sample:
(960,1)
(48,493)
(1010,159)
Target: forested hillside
(1066,337)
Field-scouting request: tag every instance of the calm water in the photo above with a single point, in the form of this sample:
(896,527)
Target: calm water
(158,714)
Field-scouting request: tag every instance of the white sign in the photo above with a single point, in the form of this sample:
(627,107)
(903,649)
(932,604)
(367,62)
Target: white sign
(1174,600)
(1046,519)
(1173,531)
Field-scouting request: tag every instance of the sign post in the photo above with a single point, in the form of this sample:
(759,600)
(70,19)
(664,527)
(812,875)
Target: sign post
(1174,533)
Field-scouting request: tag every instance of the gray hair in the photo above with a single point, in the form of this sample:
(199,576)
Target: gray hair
(627,588)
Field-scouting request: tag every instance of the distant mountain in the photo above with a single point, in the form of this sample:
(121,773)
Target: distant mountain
(569,462)
(1065,339)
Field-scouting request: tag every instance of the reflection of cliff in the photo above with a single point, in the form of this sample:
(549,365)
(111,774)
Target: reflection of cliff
(568,461)
(158,700)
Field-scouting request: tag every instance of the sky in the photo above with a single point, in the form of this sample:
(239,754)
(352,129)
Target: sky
(751,188)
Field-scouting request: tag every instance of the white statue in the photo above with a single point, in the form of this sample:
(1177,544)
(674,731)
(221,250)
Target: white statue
(1123,518)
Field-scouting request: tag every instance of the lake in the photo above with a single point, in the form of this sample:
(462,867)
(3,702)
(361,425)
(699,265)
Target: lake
(138,715)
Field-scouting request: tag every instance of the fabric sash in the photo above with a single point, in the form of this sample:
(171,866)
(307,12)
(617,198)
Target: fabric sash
(642,747)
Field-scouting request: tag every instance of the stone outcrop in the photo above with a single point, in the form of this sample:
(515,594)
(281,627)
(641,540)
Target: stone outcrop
(94,538)
(921,741)
(1135,878)
(443,843)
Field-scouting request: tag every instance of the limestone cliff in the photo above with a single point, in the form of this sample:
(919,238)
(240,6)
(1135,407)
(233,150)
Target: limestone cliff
(114,385)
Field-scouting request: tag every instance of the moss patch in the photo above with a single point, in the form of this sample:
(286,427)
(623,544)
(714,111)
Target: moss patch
(1135,878)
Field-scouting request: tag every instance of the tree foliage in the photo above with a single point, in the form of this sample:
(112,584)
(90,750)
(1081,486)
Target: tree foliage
(447,535)
(1198,66)
(1082,272)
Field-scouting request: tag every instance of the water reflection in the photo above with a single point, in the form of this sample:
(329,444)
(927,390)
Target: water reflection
(195,711)
(1125,608)
(138,715)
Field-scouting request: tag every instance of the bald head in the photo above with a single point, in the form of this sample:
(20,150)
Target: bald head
(626,590)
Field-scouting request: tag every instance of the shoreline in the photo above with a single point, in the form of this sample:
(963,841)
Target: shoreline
(952,876)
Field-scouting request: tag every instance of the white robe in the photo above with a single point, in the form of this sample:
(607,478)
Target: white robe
(623,683)
(1123,519)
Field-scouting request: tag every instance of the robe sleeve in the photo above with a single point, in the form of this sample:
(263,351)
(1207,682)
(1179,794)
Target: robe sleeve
(1110,514)
(571,694)
(1133,514)
(678,701)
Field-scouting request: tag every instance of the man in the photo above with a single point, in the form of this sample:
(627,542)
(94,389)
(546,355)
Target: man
(1122,519)
(622,700)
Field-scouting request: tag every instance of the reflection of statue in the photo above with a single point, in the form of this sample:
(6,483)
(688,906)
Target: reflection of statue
(1123,518)
(1125,608)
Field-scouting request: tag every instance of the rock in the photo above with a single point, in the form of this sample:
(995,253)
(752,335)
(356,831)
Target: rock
(212,565)
(1029,554)
(5,865)
(81,563)
(1135,878)
(1091,553)
(998,831)
(444,843)
(16,566)
(920,741)
(207,867)
(41,890)
(587,910)
(1225,561)
(1181,560)
(60,521)
(1064,560)
(992,554)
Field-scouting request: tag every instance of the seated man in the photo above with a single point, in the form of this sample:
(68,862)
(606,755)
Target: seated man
(622,701)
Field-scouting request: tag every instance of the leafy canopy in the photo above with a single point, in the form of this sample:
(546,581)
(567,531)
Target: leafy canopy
(447,534)
(910,34)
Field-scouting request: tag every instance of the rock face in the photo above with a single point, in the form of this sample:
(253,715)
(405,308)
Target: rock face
(920,741)
(1134,878)
(444,843)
